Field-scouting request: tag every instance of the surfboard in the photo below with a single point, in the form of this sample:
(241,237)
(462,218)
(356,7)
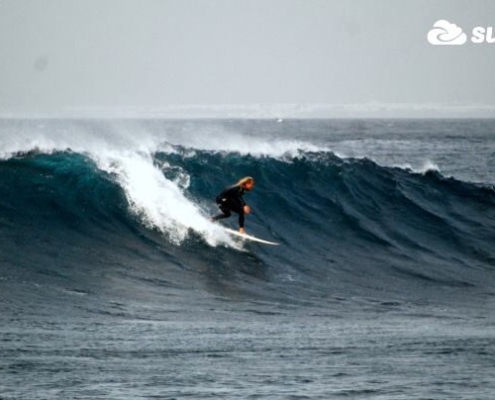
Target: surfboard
(249,237)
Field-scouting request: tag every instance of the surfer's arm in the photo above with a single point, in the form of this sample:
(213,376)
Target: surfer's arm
(241,221)
(243,203)
(237,193)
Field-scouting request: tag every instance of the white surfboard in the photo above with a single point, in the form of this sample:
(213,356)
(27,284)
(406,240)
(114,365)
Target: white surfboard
(249,237)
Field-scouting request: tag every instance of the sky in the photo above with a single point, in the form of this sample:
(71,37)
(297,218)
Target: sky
(258,58)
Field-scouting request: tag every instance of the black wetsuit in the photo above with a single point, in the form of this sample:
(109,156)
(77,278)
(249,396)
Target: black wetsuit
(231,200)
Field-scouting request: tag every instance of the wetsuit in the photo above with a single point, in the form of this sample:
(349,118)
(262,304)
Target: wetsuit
(231,200)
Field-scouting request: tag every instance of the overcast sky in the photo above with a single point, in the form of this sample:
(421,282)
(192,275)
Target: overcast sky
(59,56)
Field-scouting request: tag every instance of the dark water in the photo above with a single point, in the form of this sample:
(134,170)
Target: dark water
(114,284)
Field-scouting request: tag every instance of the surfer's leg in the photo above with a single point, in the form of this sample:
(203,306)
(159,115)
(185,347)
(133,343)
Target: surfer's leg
(225,213)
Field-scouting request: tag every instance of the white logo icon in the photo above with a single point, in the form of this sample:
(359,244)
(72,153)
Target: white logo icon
(445,33)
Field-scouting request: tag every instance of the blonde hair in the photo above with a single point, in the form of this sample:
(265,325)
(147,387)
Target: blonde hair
(244,180)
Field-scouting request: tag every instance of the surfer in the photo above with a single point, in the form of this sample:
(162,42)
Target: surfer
(230,200)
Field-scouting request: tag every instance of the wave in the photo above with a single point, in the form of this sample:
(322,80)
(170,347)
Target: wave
(74,208)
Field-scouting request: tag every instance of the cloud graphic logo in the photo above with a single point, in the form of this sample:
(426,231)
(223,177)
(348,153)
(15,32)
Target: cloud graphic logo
(445,33)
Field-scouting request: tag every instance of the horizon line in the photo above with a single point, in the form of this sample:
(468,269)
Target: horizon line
(259,111)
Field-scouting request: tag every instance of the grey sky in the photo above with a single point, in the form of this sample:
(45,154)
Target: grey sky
(62,55)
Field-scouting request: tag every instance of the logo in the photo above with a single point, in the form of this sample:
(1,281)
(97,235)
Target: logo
(445,33)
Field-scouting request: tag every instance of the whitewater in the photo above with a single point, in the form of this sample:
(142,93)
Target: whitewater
(114,283)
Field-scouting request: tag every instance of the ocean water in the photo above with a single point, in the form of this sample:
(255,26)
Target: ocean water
(114,284)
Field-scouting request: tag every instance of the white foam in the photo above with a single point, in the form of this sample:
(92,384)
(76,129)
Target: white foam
(423,169)
(157,201)
(220,139)
(429,166)
(127,153)
(93,137)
